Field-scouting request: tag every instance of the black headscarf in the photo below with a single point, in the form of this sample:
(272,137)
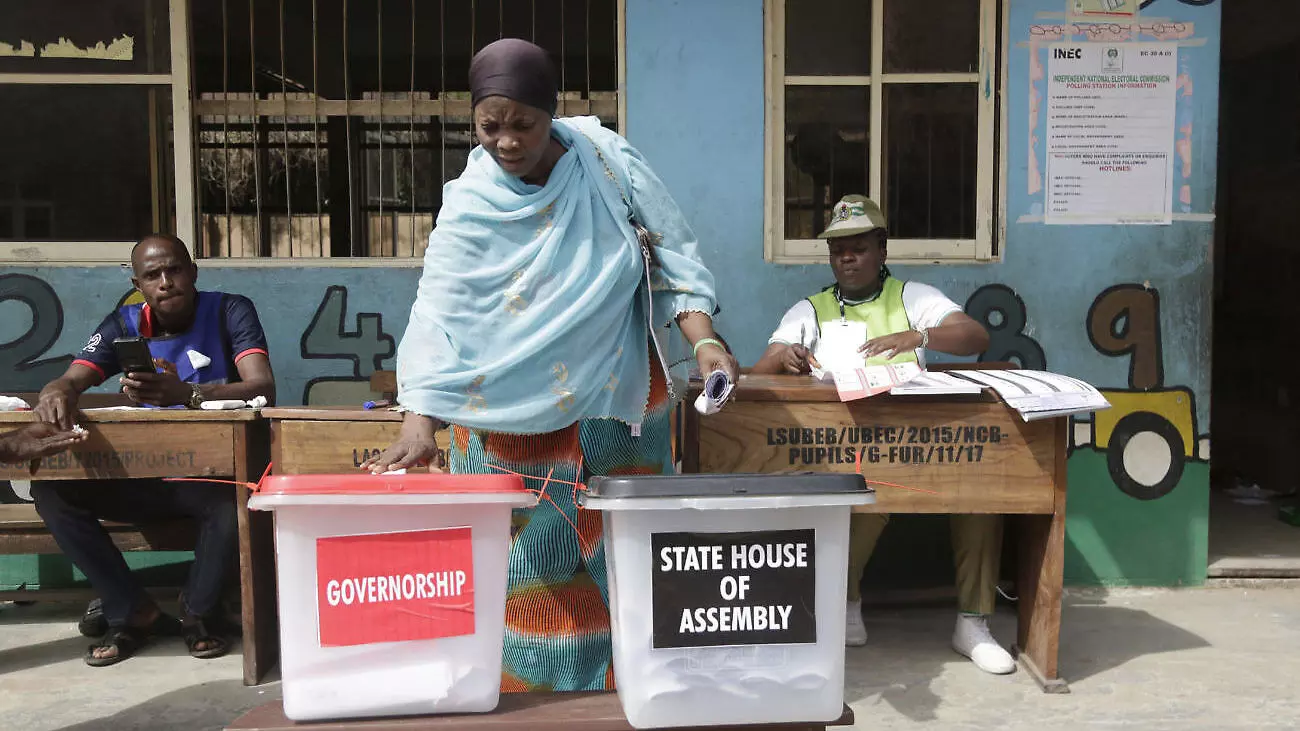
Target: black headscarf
(515,69)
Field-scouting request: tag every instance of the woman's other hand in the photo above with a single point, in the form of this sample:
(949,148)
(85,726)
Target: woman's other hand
(415,447)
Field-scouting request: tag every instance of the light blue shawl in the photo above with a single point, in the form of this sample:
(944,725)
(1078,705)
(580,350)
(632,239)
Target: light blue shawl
(532,310)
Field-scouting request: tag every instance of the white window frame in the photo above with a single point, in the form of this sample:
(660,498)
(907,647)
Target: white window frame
(780,250)
(80,253)
(184,117)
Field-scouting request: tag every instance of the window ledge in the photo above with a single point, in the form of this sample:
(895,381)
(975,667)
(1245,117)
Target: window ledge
(65,253)
(918,251)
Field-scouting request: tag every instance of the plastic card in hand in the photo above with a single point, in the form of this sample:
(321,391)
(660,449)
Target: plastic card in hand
(837,348)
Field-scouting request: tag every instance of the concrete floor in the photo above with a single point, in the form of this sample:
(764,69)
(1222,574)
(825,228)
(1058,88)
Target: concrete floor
(1217,658)
(1249,540)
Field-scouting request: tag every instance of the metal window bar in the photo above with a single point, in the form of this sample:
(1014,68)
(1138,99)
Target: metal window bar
(288,162)
(315,121)
(255,134)
(442,86)
(225,118)
(379,12)
(411,130)
(263,248)
(564,107)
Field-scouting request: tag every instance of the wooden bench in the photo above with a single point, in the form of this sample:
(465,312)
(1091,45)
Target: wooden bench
(516,712)
(23,532)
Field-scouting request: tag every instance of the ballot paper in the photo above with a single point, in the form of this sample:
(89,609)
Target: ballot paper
(870,380)
(1038,394)
(256,402)
(936,383)
(715,394)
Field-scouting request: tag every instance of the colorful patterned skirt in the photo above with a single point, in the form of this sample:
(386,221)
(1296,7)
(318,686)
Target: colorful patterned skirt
(557,634)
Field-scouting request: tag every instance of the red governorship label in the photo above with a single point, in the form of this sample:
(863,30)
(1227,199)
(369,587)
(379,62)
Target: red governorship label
(394,587)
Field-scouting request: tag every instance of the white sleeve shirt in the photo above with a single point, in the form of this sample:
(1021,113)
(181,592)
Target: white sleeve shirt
(926,307)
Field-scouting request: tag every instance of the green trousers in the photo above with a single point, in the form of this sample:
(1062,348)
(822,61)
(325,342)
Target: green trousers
(976,549)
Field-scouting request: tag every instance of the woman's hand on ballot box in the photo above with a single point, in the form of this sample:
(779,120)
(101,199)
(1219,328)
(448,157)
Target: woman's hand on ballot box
(415,447)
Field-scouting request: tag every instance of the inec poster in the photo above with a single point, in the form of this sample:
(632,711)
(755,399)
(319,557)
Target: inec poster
(1110,133)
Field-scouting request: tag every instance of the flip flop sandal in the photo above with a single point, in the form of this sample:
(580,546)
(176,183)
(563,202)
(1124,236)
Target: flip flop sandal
(128,640)
(196,631)
(92,623)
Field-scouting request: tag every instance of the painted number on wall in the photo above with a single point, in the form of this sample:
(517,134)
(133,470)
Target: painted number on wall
(1001,310)
(19,368)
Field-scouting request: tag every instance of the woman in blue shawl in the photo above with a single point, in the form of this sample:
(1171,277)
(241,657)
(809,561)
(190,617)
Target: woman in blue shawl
(557,257)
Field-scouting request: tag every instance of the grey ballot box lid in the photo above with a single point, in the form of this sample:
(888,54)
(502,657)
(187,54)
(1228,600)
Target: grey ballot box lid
(711,485)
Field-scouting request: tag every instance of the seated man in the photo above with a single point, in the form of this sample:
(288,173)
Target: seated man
(35,441)
(896,321)
(207,346)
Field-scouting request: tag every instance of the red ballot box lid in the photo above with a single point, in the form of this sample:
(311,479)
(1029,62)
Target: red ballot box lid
(392,484)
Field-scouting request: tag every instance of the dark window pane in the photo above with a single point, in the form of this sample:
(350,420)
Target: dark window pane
(931,137)
(826,153)
(932,36)
(80,157)
(74,36)
(37,225)
(828,37)
(6,220)
(580,36)
(360,180)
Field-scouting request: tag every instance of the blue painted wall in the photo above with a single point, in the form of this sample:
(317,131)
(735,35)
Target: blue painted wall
(287,299)
(695,108)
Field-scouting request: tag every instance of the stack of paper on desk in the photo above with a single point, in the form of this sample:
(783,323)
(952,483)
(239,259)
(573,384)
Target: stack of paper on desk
(1038,394)
(1033,394)
(856,383)
(936,383)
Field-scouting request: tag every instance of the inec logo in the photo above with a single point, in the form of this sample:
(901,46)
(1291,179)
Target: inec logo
(845,210)
(1113,60)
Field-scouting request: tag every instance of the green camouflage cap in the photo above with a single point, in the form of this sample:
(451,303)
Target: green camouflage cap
(854,214)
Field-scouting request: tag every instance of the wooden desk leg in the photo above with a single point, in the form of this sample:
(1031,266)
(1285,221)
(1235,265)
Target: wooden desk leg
(1041,571)
(261,641)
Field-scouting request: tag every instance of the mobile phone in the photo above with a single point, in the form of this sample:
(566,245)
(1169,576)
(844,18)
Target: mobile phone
(133,355)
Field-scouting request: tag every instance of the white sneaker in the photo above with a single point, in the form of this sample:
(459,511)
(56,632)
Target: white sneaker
(855,632)
(973,639)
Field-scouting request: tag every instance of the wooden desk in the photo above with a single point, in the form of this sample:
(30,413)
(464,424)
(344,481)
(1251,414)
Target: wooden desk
(331,440)
(516,712)
(143,443)
(969,454)
(384,383)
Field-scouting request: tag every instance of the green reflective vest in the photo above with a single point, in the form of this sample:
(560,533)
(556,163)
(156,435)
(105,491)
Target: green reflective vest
(883,315)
